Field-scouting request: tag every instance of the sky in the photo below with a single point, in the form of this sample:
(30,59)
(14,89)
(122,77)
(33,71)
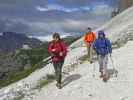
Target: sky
(43,17)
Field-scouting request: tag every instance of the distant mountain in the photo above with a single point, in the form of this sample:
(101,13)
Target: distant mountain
(10,41)
(49,37)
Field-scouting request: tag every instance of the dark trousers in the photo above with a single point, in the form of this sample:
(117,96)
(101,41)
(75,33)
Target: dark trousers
(58,70)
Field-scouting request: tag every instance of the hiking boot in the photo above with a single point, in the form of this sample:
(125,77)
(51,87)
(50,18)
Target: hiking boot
(58,86)
(105,78)
(91,62)
(101,76)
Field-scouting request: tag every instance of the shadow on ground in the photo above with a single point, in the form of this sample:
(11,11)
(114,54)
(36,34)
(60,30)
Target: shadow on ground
(70,79)
(112,73)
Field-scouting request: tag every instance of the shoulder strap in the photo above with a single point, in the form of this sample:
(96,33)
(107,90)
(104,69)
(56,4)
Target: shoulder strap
(106,42)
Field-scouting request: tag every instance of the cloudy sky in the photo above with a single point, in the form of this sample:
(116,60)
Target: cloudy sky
(42,17)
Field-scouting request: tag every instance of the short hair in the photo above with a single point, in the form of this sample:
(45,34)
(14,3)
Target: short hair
(101,32)
(89,28)
(56,35)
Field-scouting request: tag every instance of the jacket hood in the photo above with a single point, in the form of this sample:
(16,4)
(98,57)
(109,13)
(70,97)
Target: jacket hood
(101,33)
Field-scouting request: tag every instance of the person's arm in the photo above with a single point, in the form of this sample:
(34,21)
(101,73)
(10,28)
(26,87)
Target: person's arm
(64,49)
(51,50)
(95,46)
(85,40)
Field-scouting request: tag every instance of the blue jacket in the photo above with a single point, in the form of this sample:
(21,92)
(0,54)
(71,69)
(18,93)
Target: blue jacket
(102,46)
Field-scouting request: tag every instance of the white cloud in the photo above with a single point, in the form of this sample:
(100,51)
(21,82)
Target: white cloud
(80,25)
(98,9)
(102,9)
(60,8)
(1,34)
(48,37)
(86,8)
(41,8)
(56,7)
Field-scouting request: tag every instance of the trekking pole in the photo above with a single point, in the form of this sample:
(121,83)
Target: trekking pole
(112,61)
(114,67)
(93,75)
(47,60)
(94,67)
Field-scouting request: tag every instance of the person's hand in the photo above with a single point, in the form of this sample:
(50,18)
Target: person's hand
(61,53)
(110,55)
(94,48)
(53,50)
(52,55)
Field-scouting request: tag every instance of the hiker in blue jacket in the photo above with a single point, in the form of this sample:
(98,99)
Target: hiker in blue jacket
(103,48)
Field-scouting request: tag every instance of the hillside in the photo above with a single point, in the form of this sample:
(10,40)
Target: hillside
(20,64)
(80,84)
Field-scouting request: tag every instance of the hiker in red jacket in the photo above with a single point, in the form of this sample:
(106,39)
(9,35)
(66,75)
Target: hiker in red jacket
(58,50)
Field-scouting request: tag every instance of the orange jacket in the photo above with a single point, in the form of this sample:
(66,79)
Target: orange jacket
(89,37)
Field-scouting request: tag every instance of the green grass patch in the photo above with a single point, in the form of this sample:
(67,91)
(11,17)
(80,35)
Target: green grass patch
(19,97)
(83,58)
(18,75)
(45,81)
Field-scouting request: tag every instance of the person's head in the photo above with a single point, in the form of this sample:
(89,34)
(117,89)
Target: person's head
(101,34)
(56,36)
(89,29)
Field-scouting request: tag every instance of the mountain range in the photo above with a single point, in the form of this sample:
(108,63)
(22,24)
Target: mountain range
(11,41)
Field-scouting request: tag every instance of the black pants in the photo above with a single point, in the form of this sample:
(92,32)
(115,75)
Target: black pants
(58,70)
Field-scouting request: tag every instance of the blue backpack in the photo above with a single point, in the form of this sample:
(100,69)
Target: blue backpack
(102,47)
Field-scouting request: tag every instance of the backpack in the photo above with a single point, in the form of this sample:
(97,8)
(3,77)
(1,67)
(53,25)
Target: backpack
(103,50)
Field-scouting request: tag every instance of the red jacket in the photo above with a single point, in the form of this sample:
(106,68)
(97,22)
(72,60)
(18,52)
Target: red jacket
(58,50)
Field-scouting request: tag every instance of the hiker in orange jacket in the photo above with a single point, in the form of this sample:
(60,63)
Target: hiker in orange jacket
(89,39)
